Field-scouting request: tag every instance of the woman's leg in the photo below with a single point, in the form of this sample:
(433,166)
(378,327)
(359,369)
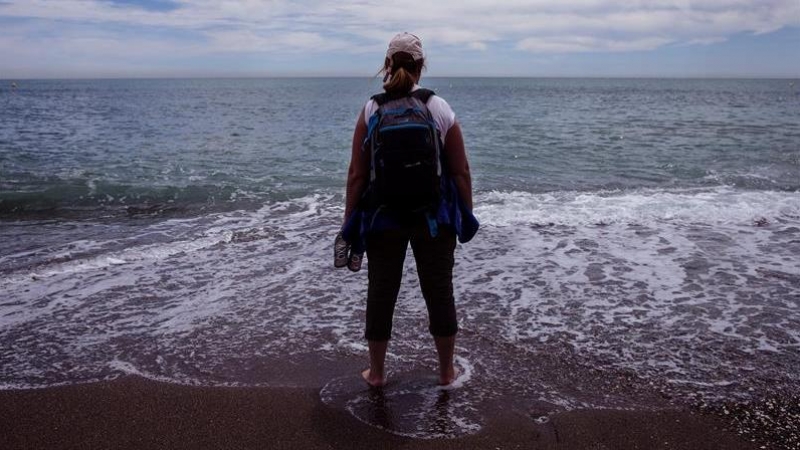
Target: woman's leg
(386,252)
(376,374)
(445,348)
(435,260)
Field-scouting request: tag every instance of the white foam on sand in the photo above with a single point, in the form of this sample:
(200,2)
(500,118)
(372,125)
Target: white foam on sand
(410,406)
(658,282)
(713,206)
(670,284)
(465,369)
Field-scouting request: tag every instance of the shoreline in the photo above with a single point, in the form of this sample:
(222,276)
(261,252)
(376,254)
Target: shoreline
(137,413)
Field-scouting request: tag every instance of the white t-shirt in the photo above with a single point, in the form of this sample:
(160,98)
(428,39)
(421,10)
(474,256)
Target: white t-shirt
(441,112)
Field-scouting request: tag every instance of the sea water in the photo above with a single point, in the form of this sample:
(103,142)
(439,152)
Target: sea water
(639,247)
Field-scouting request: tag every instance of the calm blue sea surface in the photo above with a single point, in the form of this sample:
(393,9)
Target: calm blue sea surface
(103,145)
(640,244)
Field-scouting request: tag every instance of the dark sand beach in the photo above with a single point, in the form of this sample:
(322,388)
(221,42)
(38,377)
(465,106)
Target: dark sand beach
(136,413)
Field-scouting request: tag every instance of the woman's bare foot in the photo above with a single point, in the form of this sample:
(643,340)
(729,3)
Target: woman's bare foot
(448,376)
(372,380)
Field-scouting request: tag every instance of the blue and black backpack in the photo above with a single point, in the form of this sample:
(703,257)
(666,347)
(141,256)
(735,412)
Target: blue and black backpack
(405,154)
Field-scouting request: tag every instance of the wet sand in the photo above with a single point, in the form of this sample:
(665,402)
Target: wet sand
(136,413)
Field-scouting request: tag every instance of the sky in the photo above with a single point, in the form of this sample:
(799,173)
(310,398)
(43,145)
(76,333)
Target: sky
(581,38)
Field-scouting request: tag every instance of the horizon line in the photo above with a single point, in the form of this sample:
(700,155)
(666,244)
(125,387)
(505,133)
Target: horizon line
(255,77)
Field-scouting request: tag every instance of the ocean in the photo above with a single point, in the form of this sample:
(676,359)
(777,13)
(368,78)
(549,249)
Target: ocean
(639,245)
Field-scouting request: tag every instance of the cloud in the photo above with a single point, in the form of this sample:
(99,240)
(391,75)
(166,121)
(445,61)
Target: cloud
(570,44)
(288,42)
(706,41)
(153,5)
(358,27)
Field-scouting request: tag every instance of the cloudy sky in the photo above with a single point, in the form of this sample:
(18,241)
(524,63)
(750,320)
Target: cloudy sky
(133,38)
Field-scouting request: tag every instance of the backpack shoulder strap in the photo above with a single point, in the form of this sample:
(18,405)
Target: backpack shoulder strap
(380,99)
(422,94)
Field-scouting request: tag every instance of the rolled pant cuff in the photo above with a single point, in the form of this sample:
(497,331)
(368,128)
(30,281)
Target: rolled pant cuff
(444,333)
(377,337)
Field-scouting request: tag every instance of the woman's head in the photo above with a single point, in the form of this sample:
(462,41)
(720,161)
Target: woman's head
(403,64)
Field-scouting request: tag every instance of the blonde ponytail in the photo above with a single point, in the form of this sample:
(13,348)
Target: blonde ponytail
(400,82)
(402,72)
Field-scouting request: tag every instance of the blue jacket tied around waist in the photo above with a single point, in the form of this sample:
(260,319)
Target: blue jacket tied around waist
(451,212)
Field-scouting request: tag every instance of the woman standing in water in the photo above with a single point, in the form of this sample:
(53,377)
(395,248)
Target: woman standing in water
(391,204)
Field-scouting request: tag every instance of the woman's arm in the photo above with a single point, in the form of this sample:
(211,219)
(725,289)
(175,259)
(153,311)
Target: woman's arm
(358,173)
(458,164)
